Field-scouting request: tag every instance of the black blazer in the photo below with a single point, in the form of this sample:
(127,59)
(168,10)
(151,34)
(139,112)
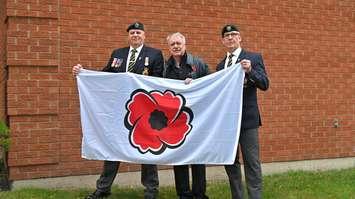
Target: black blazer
(155,61)
(257,78)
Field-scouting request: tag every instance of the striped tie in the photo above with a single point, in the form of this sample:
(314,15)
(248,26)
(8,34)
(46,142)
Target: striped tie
(230,60)
(132,60)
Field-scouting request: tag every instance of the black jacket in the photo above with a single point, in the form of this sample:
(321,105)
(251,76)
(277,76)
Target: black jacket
(190,67)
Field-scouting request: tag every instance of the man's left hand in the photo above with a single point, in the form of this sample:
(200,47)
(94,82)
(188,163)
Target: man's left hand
(187,80)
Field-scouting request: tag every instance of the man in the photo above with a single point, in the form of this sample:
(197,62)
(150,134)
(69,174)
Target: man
(255,77)
(141,59)
(184,66)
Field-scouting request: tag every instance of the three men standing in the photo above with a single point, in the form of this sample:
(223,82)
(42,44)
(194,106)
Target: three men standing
(141,59)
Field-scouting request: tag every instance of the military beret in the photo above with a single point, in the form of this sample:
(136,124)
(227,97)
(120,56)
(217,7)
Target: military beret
(229,28)
(136,25)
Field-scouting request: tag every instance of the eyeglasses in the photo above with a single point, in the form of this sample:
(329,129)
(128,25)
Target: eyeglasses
(137,32)
(232,34)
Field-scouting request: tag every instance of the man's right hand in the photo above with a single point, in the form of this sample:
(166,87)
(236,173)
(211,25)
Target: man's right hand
(76,69)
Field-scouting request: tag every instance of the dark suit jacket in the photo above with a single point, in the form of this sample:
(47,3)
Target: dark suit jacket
(257,78)
(155,61)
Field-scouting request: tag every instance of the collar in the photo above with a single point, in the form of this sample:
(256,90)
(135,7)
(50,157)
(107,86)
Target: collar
(138,49)
(236,52)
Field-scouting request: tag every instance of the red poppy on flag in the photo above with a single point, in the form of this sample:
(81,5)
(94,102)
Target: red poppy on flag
(157,120)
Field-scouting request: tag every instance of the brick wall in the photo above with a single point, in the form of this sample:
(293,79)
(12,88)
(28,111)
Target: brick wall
(307,48)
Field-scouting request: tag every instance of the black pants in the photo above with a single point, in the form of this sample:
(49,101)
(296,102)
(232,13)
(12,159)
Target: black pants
(149,178)
(182,183)
(249,146)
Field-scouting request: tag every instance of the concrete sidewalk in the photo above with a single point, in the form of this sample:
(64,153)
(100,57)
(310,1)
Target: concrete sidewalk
(166,177)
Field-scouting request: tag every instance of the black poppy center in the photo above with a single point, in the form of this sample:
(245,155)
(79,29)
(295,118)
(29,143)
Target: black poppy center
(158,120)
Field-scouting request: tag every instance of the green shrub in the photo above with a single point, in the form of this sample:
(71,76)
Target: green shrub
(4,136)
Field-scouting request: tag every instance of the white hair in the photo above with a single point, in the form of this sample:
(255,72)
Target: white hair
(176,34)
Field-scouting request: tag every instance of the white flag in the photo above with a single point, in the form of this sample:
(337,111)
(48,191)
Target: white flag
(150,120)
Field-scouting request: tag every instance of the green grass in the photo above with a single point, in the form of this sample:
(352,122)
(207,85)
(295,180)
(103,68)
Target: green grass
(336,184)
(308,185)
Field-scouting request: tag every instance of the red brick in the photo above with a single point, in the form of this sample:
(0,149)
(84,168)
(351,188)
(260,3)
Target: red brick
(303,44)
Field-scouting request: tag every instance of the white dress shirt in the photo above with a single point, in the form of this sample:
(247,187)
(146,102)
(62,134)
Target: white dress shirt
(136,55)
(236,54)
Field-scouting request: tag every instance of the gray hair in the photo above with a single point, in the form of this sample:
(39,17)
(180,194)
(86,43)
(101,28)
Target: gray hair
(176,34)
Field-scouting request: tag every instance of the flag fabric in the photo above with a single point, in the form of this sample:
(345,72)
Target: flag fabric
(150,120)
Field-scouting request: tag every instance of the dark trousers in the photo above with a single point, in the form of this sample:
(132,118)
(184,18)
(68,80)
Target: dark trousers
(249,146)
(182,183)
(149,178)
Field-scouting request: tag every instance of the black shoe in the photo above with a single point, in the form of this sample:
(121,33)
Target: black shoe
(98,195)
(186,195)
(201,197)
(147,196)
(151,194)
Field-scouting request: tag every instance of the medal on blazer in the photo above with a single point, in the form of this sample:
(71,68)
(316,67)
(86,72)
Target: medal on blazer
(146,64)
(116,62)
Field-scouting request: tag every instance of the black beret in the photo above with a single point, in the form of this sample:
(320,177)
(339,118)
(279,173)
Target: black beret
(229,28)
(136,25)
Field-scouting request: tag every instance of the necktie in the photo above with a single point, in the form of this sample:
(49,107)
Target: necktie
(230,60)
(132,59)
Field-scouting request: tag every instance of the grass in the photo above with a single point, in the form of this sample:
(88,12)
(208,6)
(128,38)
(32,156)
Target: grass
(336,184)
